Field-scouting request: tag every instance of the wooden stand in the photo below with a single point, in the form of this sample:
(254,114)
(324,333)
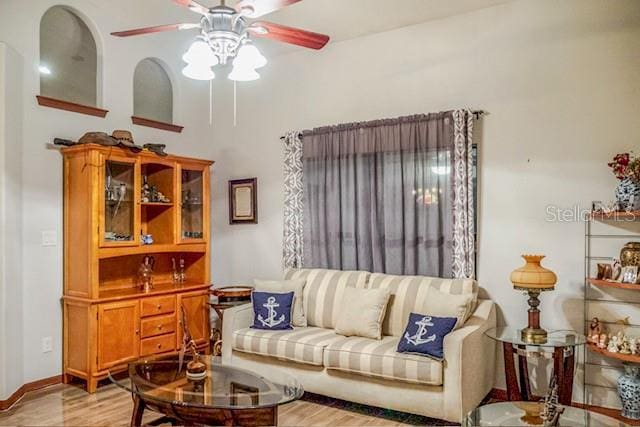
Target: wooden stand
(563,369)
(108,320)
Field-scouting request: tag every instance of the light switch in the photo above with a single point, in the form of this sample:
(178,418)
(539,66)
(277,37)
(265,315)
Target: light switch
(49,238)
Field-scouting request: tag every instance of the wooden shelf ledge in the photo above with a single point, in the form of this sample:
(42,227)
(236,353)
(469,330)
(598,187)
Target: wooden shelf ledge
(169,204)
(60,104)
(141,121)
(611,284)
(156,248)
(614,216)
(631,358)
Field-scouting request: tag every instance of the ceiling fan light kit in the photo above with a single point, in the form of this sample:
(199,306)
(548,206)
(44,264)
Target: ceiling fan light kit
(225,35)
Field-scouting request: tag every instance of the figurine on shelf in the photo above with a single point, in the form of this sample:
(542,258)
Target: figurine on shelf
(633,345)
(595,330)
(603,341)
(613,345)
(616,270)
(625,347)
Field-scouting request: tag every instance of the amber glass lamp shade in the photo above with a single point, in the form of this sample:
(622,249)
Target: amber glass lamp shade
(533,278)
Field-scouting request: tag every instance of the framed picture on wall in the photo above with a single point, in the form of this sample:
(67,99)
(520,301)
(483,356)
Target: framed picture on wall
(243,201)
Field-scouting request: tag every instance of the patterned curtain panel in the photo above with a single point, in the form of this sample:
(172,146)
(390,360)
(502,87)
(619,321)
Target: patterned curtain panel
(464,252)
(378,196)
(293,193)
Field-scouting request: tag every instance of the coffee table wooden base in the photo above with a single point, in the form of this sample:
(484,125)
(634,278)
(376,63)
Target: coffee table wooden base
(191,416)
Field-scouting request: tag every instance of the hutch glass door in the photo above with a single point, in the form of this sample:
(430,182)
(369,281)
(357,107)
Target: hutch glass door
(119,203)
(192,205)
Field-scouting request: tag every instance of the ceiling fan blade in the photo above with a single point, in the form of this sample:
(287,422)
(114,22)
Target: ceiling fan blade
(290,35)
(193,5)
(156,29)
(258,8)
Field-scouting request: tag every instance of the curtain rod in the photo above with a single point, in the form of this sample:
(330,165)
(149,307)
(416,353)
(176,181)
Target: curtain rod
(476,114)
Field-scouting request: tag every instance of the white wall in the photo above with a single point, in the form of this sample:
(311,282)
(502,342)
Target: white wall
(10,220)
(561,83)
(41,287)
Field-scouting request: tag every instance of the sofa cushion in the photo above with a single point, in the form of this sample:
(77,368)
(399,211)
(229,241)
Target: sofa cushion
(409,294)
(303,345)
(378,358)
(297,286)
(323,292)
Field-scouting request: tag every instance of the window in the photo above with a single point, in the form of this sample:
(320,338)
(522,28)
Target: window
(390,196)
(68,58)
(152,91)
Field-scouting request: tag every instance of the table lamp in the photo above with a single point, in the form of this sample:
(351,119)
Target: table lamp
(533,279)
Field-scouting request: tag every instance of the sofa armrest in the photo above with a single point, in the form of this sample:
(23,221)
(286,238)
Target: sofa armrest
(234,319)
(469,363)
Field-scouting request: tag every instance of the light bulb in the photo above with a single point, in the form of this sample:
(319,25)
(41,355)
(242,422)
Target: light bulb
(200,53)
(250,56)
(198,72)
(243,74)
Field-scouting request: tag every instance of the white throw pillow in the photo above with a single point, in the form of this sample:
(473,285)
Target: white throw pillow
(361,312)
(282,286)
(441,304)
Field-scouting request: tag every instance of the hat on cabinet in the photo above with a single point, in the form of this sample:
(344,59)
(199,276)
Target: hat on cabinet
(125,138)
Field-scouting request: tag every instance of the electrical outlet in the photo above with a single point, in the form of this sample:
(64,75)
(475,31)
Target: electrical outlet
(47,344)
(49,238)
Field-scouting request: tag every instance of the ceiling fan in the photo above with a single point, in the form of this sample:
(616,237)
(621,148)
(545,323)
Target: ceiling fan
(225,34)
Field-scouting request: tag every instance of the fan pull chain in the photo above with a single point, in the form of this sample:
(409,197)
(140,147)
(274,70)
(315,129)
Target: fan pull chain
(235,104)
(210,102)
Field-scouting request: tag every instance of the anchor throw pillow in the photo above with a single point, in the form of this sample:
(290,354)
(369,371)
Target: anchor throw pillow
(424,335)
(272,311)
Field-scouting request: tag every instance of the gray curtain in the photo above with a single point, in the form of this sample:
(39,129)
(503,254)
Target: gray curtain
(378,196)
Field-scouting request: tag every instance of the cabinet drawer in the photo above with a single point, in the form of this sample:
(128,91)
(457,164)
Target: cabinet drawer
(159,344)
(159,305)
(159,325)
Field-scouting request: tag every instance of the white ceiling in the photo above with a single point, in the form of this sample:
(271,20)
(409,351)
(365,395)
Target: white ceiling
(347,19)
(340,19)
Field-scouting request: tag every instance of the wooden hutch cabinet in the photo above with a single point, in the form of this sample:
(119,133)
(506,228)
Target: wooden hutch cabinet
(111,199)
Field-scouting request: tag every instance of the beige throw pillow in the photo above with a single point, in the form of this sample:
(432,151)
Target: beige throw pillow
(282,286)
(441,304)
(361,312)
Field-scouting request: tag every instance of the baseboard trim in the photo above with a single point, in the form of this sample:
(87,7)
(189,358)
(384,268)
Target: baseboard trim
(26,388)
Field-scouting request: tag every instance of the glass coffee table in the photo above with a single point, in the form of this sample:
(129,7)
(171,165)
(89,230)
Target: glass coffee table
(226,396)
(527,414)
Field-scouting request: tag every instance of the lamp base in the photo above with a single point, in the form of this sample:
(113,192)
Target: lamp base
(533,335)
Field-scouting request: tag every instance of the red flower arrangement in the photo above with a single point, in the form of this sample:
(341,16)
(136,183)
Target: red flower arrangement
(625,165)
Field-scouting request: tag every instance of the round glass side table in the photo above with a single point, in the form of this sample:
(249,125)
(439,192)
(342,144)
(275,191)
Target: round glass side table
(560,345)
(528,414)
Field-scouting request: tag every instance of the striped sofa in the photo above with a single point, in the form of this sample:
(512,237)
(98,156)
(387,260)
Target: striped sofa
(366,370)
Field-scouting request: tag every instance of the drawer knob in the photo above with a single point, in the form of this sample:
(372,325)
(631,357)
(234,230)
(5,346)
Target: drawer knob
(159,306)
(159,346)
(159,327)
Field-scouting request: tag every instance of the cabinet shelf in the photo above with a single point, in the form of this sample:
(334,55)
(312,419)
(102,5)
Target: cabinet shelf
(611,284)
(163,204)
(631,358)
(113,252)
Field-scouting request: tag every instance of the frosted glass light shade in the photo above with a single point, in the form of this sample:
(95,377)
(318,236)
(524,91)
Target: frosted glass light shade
(241,74)
(200,54)
(196,72)
(249,56)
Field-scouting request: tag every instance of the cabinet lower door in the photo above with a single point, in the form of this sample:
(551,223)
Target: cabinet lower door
(118,333)
(196,310)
